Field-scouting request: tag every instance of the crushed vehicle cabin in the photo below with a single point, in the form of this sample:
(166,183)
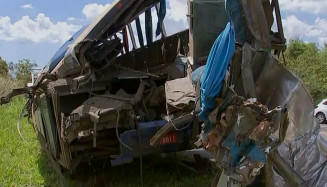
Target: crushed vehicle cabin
(106,95)
(103,95)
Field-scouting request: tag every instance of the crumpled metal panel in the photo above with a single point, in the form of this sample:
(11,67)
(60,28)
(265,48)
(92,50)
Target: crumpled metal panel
(307,156)
(303,148)
(301,145)
(69,64)
(277,86)
(255,16)
(239,136)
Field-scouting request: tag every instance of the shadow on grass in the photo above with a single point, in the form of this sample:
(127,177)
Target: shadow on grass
(157,171)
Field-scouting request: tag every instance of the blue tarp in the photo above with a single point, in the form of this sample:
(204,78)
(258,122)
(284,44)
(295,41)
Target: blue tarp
(216,67)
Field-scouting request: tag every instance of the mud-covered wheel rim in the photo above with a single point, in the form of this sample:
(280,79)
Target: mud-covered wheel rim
(321,118)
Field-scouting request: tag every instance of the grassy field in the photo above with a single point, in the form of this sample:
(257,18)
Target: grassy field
(23,163)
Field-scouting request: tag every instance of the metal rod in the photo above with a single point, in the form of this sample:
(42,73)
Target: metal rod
(278,19)
(131,33)
(285,170)
(94,134)
(163,29)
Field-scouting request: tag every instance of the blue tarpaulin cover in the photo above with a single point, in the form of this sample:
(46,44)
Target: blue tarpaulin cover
(216,67)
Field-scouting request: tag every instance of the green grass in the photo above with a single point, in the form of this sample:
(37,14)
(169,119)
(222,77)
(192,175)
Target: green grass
(157,172)
(24,164)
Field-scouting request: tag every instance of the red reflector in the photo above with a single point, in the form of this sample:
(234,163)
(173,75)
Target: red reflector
(120,5)
(169,139)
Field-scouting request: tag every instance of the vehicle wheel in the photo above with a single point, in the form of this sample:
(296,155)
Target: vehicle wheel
(321,117)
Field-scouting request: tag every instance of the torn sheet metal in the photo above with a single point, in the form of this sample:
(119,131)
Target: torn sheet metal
(273,117)
(255,17)
(294,134)
(307,156)
(303,147)
(277,86)
(247,74)
(70,65)
(240,136)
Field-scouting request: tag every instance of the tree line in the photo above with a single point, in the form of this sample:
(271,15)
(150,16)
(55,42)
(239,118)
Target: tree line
(20,71)
(309,63)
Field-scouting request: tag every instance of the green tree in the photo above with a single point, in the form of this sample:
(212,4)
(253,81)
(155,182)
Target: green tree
(310,63)
(3,68)
(23,69)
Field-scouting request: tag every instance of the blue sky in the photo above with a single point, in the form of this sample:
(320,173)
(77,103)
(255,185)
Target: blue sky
(66,15)
(35,29)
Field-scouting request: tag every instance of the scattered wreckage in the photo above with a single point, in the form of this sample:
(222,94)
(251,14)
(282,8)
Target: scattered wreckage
(100,97)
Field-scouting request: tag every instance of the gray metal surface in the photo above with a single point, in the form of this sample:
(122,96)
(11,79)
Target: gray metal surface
(303,146)
(205,31)
(296,151)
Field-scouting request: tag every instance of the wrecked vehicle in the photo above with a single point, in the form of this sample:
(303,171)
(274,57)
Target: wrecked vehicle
(105,95)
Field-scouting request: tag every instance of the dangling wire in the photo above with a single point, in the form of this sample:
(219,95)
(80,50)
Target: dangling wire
(141,154)
(118,137)
(20,118)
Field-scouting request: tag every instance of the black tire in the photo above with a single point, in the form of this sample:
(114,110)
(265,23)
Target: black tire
(321,117)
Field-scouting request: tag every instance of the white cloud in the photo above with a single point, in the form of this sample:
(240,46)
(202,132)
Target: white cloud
(27,6)
(71,19)
(321,26)
(91,11)
(311,6)
(295,28)
(175,19)
(36,30)
(177,10)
